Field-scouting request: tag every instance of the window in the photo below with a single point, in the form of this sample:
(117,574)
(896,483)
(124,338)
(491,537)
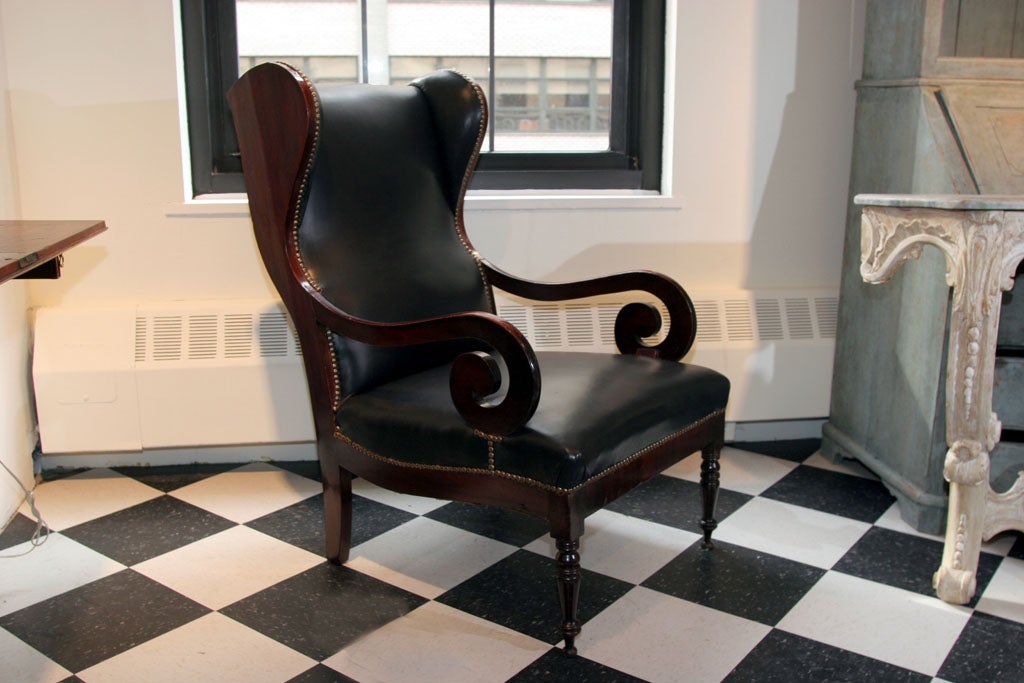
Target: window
(574,86)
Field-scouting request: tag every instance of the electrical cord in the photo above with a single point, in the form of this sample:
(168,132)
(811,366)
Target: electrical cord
(42,531)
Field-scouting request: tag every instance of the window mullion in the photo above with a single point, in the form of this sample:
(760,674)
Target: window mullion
(363,42)
(492,77)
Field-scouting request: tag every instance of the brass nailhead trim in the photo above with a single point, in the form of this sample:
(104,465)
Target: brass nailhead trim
(296,222)
(515,477)
(304,186)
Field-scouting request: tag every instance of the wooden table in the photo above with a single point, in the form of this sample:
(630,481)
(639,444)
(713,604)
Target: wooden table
(27,245)
(982,238)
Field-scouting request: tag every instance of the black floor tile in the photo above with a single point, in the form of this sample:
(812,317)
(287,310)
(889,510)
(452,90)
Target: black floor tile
(675,502)
(786,658)
(506,526)
(840,494)
(321,674)
(20,529)
(1017,551)
(905,561)
(737,580)
(796,450)
(304,468)
(148,529)
(302,524)
(371,519)
(323,609)
(555,667)
(170,477)
(981,652)
(102,619)
(520,592)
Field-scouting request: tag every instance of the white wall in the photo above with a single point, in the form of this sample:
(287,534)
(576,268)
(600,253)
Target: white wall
(762,105)
(17,429)
(763,123)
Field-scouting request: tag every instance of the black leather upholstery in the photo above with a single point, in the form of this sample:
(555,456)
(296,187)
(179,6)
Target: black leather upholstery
(383,190)
(596,410)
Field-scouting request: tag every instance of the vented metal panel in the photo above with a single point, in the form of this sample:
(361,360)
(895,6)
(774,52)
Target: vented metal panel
(168,338)
(727,318)
(186,374)
(709,321)
(826,310)
(738,321)
(798,318)
(769,319)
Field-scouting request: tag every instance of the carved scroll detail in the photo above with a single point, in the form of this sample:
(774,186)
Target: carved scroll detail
(1005,510)
(890,237)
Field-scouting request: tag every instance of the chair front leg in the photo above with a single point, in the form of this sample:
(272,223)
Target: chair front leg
(337,512)
(568,561)
(709,468)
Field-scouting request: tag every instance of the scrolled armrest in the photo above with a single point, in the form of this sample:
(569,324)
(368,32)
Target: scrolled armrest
(475,376)
(635,321)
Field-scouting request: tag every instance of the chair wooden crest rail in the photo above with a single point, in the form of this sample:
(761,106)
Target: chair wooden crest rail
(356,195)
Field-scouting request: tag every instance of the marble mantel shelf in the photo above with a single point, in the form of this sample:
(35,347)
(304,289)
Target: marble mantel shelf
(982,238)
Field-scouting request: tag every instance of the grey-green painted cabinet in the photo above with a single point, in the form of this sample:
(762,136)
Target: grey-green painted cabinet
(940,110)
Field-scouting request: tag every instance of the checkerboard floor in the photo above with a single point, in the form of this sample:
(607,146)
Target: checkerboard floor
(214,573)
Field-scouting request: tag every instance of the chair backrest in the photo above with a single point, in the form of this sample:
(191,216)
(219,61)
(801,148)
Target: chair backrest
(376,209)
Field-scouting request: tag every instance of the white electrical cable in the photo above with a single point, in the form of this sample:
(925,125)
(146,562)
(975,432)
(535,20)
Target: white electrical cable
(42,531)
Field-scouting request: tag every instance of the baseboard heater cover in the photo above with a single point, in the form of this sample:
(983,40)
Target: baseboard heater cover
(215,373)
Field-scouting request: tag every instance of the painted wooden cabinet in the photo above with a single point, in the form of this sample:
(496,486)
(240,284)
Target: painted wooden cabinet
(940,110)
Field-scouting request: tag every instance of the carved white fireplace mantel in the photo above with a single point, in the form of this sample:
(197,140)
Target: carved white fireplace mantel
(982,237)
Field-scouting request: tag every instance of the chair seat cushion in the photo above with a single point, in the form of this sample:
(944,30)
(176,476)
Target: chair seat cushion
(595,411)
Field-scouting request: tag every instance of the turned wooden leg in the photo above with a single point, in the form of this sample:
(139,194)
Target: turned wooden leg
(337,512)
(568,561)
(709,468)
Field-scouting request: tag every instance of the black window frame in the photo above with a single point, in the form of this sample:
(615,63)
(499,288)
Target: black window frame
(634,161)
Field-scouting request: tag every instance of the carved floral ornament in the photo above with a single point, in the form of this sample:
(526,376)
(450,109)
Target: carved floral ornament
(966,463)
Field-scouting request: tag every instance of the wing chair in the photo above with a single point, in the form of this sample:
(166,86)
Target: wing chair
(356,195)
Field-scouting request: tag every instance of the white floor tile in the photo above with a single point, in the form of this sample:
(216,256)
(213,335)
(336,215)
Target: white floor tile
(896,626)
(742,471)
(226,567)
(624,547)
(438,643)
(63,503)
(427,557)
(661,638)
(23,663)
(248,492)
(57,566)
(417,505)
(798,533)
(211,648)
(1004,595)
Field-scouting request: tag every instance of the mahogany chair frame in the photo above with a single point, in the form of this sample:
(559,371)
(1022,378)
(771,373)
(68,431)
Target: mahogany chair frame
(276,116)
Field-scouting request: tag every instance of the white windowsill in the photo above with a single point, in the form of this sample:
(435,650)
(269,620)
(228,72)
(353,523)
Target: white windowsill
(236,206)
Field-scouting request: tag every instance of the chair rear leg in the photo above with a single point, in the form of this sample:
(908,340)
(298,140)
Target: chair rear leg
(337,512)
(709,468)
(568,561)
